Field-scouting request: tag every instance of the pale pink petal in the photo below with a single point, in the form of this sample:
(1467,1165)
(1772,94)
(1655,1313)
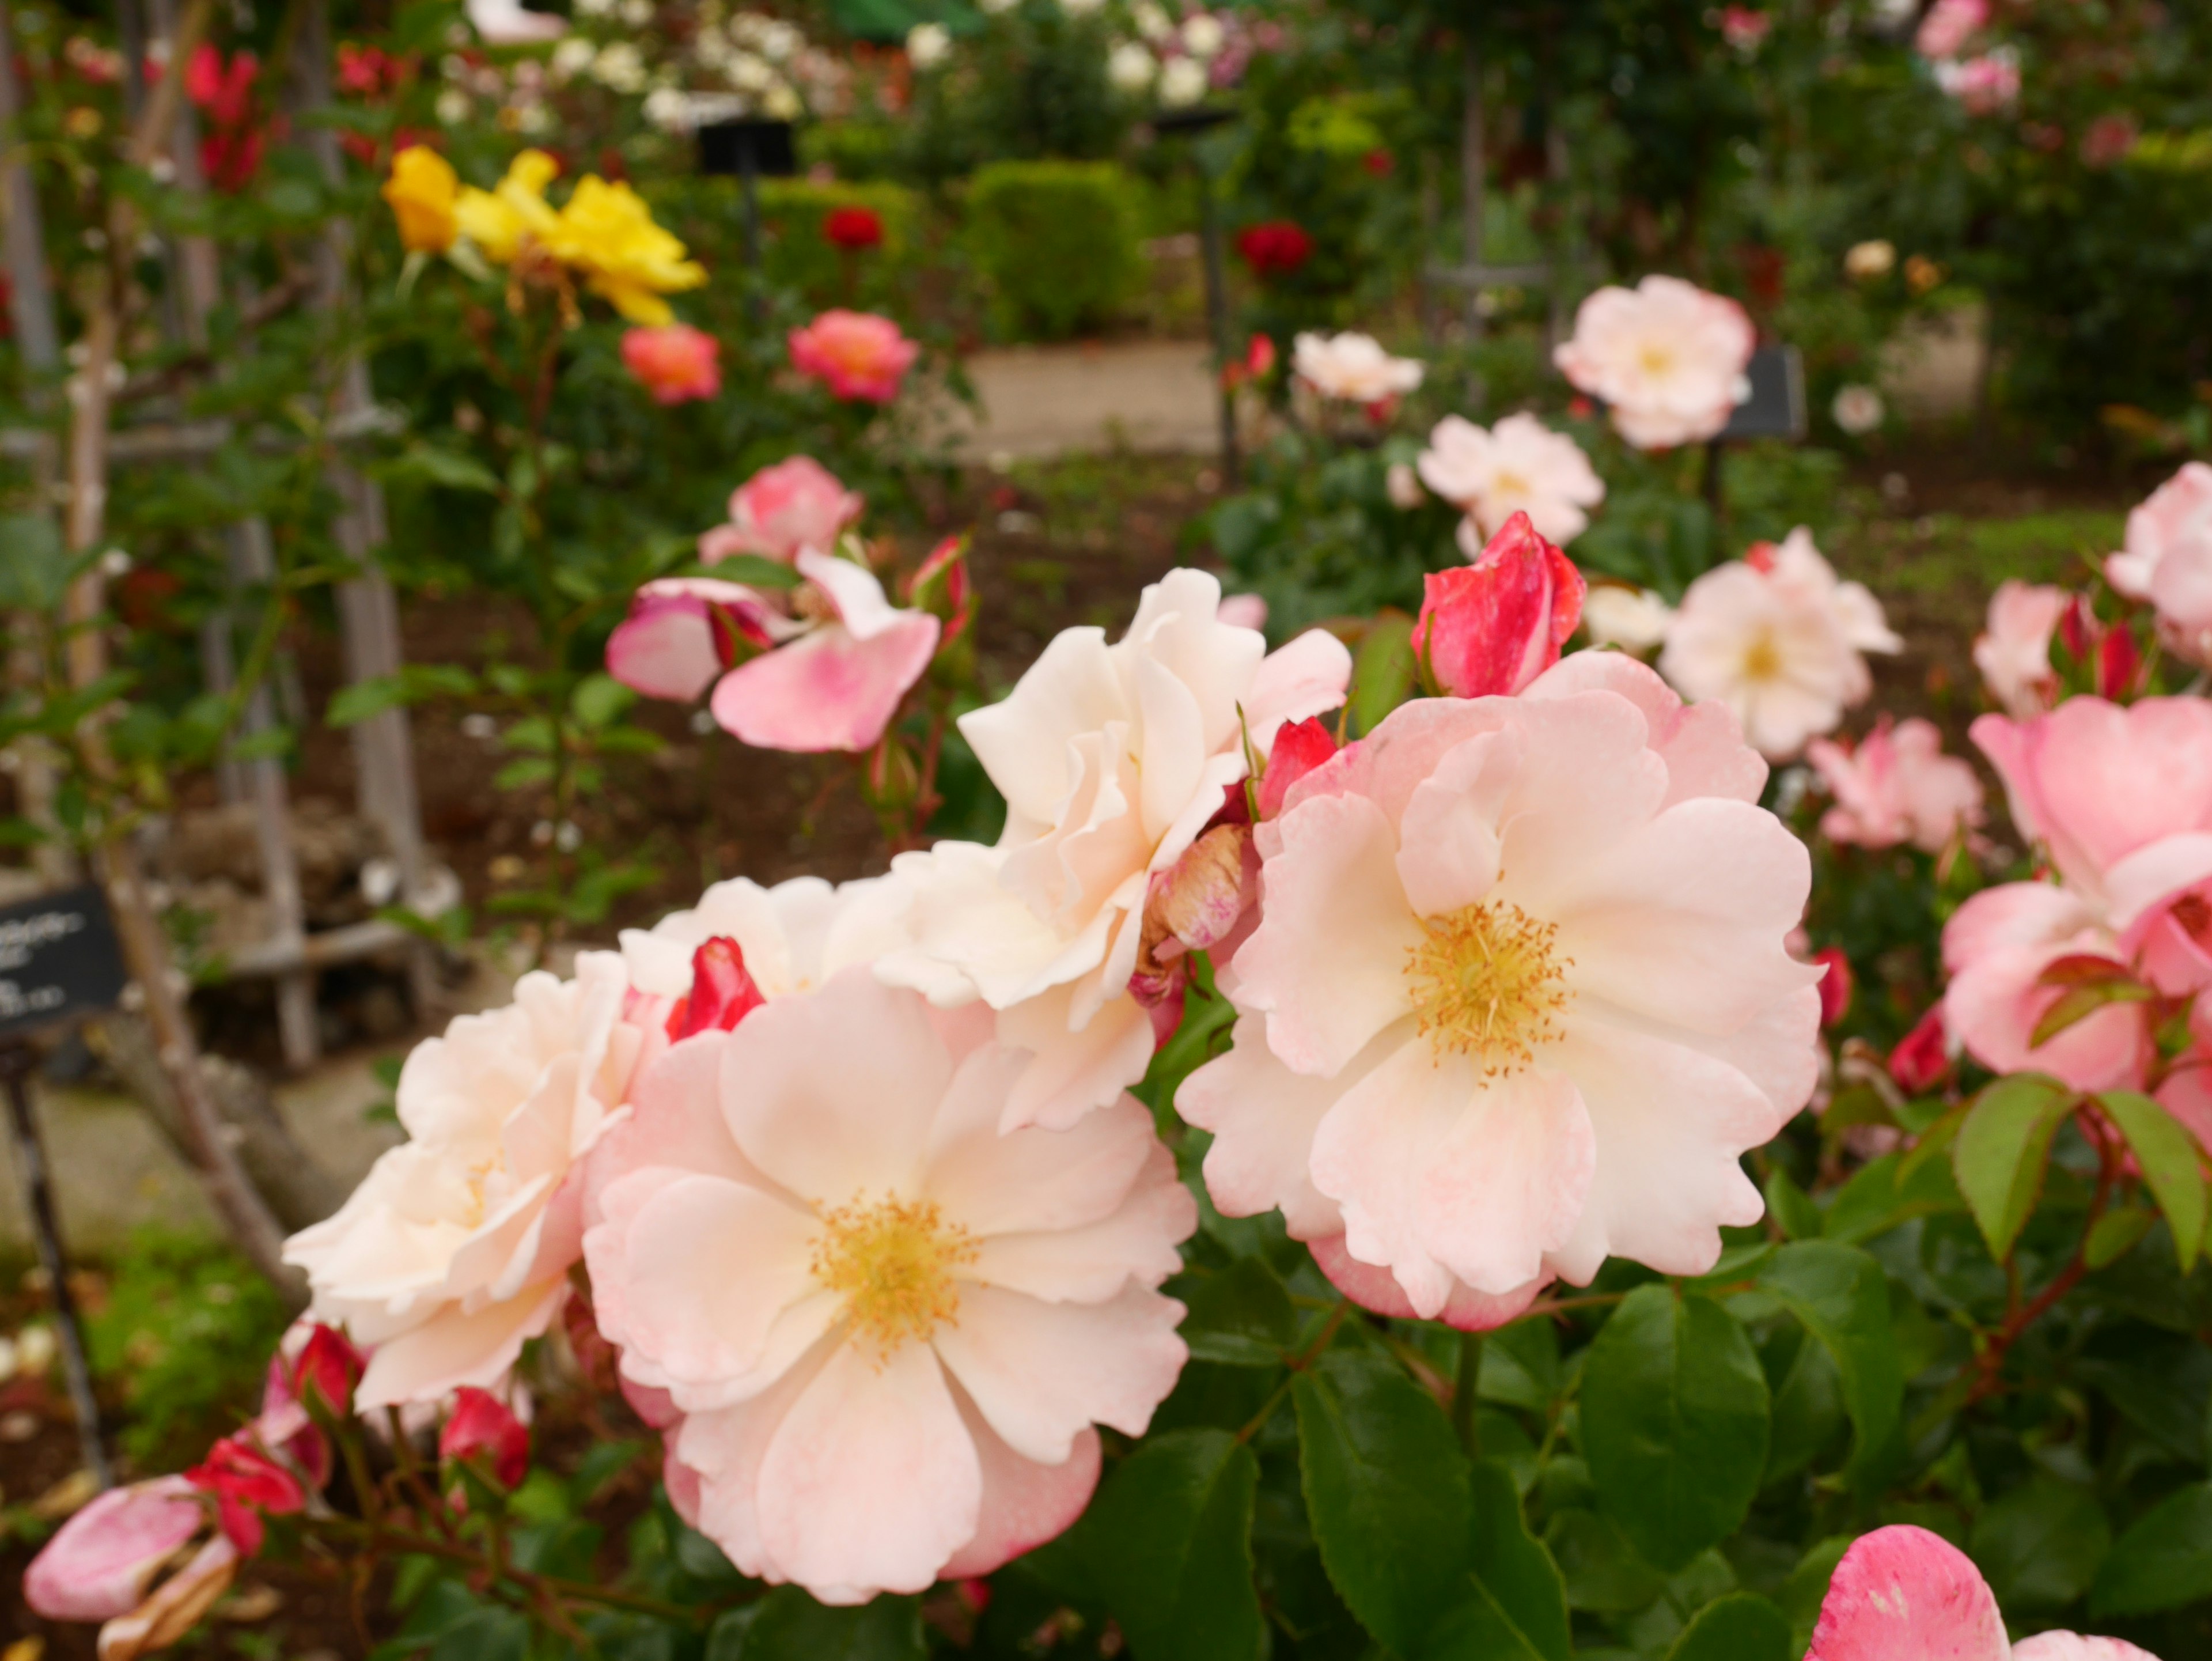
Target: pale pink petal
(1023,1180)
(1071,1073)
(1902,1591)
(1263,1118)
(1702,744)
(1025,1503)
(828,690)
(724,1449)
(1022,740)
(665,651)
(453,1348)
(1373,1287)
(871,1481)
(1305,678)
(100,1563)
(1327,962)
(178,1605)
(2074,1646)
(1091,1263)
(853,593)
(1447,846)
(1043,1373)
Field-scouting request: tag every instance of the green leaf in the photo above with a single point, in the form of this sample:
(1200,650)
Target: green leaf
(429,463)
(1841,1297)
(600,699)
(2084,997)
(792,1626)
(1601,1573)
(2040,1545)
(35,568)
(1386,1487)
(1241,1315)
(2170,1160)
(1675,1423)
(2115,1234)
(1519,1608)
(750,569)
(2002,1147)
(1381,669)
(1168,1543)
(1740,1626)
(2163,1561)
(529,769)
(1790,1206)
(1888,1192)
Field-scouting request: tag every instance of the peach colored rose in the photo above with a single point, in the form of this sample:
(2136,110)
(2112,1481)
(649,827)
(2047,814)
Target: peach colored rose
(857,355)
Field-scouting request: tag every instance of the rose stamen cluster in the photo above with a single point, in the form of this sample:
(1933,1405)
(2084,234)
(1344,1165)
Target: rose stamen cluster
(892,1263)
(1487,982)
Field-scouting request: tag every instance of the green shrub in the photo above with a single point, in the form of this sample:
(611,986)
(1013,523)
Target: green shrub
(800,257)
(1057,241)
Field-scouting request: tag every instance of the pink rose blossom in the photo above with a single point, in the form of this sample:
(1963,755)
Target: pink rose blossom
(795,504)
(683,633)
(1667,356)
(2167,561)
(857,355)
(1518,466)
(1745,29)
(2014,653)
(880,1329)
(1897,786)
(1902,1592)
(1494,626)
(676,364)
(456,1248)
(1354,369)
(1987,85)
(1948,26)
(1519,997)
(1779,639)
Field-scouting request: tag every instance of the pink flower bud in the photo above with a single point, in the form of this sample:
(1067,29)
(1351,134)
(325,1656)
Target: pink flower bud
(245,1483)
(2120,661)
(722,992)
(1491,627)
(1299,749)
(1923,1057)
(2078,629)
(942,588)
(483,1428)
(1836,984)
(329,1366)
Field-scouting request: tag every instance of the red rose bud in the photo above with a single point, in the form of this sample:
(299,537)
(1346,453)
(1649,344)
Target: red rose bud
(2119,662)
(1492,627)
(1259,357)
(722,991)
(245,1483)
(2078,629)
(1298,751)
(942,588)
(852,229)
(1835,984)
(1923,1057)
(329,1366)
(482,1429)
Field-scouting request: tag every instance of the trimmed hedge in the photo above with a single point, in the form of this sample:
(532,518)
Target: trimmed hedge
(1059,243)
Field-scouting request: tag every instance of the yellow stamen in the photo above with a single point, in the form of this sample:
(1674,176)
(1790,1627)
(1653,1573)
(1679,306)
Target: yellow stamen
(1762,659)
(1487,981)
(892,1261)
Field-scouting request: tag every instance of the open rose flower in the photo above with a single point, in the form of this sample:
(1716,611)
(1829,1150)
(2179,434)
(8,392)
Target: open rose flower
(1112,760)
(1667,357)
(1902,1592)
(1948,26)
(677,364)
(2167,561)
(794,504)
(2013,652)
(1518,466)
(1897,786)
(1779,639)
(456,1248)
(879,1330)
(1985,85)
(857,355)
(1494,626)
(1353,368)
(830,679)
(1633,619)
(1519,999)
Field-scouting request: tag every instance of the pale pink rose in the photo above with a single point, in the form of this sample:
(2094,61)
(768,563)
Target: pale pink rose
(456,1248)
(1243,612)
(1519,998)
(1353,368)
(1492,627)
(1518,466)
(1780,641)
(102,1560)
(676,364)
(1667,357)
(1902,1592)
(1897,786)
(1986,85)
(857,355)
(1112,760)
(1633,619)
(795,504)
(2014,653)
(2167,561)
(837,685)
(794,936)
(888,1327)
(1948,26)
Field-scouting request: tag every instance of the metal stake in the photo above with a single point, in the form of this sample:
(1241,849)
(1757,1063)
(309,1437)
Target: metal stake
(1217,321)
(16,1061)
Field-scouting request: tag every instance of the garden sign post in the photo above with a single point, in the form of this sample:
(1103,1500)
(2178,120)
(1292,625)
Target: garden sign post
(59,962)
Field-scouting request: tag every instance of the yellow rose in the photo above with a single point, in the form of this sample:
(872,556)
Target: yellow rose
(607,233)
(500,220)
(421,191)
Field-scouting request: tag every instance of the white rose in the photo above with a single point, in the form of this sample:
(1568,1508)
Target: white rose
(1183,83)
(1130,67)
(927,44)
(1203,37)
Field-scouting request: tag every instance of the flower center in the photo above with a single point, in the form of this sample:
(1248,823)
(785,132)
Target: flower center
(1762,659)
(1658,362)
(1511,485)
(892,1262)
(1487,981)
